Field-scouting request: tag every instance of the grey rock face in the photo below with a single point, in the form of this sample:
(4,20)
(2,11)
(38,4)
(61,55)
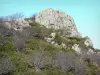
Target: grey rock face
(53,35)
(88,41)
(50,38)
(58,20)
(77,48)
(90,51)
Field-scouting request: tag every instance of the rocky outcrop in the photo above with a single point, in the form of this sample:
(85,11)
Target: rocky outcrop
(53,35)
(51,38)
(88,41)
(90,51)
(77,48)
(58,20)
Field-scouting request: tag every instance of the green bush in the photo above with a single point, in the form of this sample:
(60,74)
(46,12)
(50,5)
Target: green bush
(34,24)
(6,45)
(92,70)
(52,49)
(58,39)
(21,62)
(41,45)
(40,31)
(53,71)
(35,44)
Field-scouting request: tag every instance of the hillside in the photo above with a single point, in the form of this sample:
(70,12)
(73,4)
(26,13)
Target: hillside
(47,43)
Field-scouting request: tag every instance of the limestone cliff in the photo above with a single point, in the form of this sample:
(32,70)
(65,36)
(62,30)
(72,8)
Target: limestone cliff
(58,20)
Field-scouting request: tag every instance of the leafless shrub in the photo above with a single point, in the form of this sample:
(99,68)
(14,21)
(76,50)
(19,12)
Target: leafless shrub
(40,60)
(96,59)
(1,19)
(87,58)
(14,16)
(7,22)
(6,66)
(4,31)
(28,31)
(70,63)
(91,58)
(19,40)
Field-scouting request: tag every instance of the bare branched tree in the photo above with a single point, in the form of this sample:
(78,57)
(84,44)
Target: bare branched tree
(96,59)
(1,19)
(14,16)
(4,31)
(40,60)
(19,40)
(69,63)
(87,58)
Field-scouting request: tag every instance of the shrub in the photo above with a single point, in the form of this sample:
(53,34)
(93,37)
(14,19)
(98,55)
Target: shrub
(39,30)
(92,70)
(6,66)
(39,60)
(53,71)
(51,49)
(19,42)
(87,58)
(96,59)
(58,39)
(12,17)
(6,45)
(35,44)
(21,62)
(69,63)
(34,24)
(1,19)
(72,38)
(4,31)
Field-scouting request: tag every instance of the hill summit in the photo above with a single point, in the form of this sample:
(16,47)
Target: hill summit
(58,20)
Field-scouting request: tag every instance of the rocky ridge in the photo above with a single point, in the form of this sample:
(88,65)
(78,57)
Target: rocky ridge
(58,20)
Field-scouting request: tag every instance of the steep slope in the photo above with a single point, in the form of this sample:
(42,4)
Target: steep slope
(45,48)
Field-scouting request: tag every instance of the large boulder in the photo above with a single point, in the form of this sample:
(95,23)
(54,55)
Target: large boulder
(56,19)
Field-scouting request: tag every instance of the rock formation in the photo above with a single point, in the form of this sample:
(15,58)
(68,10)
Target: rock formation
(88,41)
(77,48)
(58,20)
